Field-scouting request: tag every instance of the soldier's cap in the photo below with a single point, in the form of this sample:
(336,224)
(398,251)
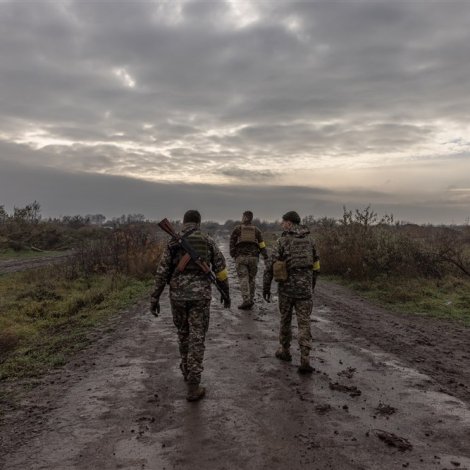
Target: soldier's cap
(291,216)
(192,216)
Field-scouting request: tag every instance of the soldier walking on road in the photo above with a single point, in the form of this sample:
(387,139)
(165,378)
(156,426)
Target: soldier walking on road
(190,296)
(246,244)
(294,264)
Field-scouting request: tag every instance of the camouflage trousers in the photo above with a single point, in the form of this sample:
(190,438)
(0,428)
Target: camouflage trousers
(247,267)
(191,318)
(303,309)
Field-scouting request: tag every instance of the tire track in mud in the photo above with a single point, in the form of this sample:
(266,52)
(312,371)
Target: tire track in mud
(439,348)
(14,265)
(123,404)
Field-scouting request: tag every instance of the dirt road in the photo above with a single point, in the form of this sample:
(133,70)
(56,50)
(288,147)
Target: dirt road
(15,265)
(121,404)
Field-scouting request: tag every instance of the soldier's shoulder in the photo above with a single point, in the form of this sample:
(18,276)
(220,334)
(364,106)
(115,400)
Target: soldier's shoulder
(209,239)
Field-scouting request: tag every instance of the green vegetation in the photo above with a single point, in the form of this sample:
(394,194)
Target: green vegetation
(45,316)
(10,254)
(447,298)
(422,270)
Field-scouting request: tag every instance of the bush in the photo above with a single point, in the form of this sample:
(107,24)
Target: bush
(133,250)
(362,247)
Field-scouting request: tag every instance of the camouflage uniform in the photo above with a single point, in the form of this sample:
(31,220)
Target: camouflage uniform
(297,248)
(190,296)
(246,244)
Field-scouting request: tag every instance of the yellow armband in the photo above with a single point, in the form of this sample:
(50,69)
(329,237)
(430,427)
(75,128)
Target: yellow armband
(316,266)
(262,245)
(222,275)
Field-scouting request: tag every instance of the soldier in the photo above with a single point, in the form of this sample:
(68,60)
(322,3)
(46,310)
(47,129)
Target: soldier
(294,264)
(190,297)
(246,243)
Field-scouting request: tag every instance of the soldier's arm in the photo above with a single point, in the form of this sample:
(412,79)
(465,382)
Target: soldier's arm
(233,240)
(268,270)
(316,265)
(219,266)
(163,274)
(261,244)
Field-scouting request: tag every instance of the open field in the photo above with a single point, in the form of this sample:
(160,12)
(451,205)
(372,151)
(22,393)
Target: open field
(447,298)
(45,317)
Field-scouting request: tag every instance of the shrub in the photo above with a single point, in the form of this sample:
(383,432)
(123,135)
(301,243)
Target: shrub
(361,246)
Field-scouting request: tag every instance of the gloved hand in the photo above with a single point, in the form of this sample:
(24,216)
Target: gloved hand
(226,301)
(155,306)
(267,295)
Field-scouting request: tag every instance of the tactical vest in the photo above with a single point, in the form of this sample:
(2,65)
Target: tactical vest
(200,245)
(299,253)
(247,234)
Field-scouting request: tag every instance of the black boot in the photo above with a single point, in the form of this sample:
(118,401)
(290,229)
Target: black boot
(245,305)
(283,354)
(195,392)
(305,367)
(184,370)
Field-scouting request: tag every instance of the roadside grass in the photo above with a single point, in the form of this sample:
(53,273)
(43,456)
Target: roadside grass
(6,255)
(45,317)
(447,298)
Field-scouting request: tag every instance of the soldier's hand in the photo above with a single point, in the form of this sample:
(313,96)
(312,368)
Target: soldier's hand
(314,281)
(226,301)
(155,307)
(267,296)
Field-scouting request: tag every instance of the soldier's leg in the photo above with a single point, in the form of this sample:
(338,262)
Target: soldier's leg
(198,320)
(180,319)
(285,331)
(252,271)
(243,278)
(303,310)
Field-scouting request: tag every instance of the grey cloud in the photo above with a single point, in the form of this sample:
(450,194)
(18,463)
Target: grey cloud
(346,78)
(248,175)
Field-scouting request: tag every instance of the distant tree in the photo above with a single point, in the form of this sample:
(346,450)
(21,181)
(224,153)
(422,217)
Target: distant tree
(3,215)
(210,226)
(95,219)
(135,218)
(75,221)
(29,214)
(308,220)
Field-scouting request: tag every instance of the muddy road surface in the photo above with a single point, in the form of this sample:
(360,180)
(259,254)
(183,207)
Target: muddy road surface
(15,265)
(369,404)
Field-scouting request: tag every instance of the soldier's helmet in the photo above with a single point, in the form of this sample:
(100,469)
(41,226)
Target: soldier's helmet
(192,216)
(291,216)
(248,216)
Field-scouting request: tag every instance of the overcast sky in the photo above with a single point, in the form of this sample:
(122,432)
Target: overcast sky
(158,106)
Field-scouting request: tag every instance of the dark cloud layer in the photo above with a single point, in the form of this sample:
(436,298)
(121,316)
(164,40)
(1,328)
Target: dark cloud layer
(64,193)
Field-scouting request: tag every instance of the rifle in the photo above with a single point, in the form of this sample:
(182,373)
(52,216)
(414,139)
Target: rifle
(191,254)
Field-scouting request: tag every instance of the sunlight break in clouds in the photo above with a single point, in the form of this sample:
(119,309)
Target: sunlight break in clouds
(124,76)
(243,12)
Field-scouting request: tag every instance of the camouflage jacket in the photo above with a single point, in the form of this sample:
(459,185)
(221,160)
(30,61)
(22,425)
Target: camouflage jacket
(247,249)
(191,284)
(300,280)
